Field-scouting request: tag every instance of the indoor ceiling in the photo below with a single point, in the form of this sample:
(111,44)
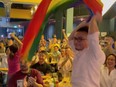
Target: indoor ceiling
(22,1)
(29,4)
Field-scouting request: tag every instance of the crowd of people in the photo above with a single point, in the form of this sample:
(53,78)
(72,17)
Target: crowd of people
(84,58)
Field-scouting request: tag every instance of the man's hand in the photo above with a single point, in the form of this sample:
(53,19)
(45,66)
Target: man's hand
(12,35)
(25,82)
(31,81)
(97,17)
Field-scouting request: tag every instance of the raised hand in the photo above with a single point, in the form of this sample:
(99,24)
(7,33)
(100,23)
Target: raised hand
(12,35)
(63,30)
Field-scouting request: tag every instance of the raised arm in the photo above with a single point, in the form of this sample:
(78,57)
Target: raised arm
(65,36)
(93,38)
(16,39)
(93,27)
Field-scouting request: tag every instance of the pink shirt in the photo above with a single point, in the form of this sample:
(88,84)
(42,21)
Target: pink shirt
(86,64)
(13,64)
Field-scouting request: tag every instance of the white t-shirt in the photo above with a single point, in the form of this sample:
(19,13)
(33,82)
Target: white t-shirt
(3,61)
(87,63)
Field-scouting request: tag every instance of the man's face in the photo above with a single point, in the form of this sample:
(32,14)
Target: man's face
(80,40)
(24,65)
(109,40)
(62,51)
(55,48)
(41,57)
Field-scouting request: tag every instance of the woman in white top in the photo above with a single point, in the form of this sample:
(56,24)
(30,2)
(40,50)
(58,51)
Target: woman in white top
(65,63)
(108,72)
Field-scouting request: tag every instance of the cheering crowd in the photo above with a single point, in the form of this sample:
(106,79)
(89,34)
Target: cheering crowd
(84,57)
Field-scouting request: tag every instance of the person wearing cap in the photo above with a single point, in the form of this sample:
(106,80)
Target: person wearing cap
(88,54)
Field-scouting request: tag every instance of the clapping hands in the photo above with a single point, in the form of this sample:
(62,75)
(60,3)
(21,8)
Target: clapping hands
(30,82)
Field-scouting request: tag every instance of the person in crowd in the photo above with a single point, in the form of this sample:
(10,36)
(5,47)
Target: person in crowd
(56,55)
(65,63)
(64,43)
(53,42)
(41,65)
(109,41)
(42,44)
(89,56)
(3,64)
(2,47)
(26,77)
(10,42)
(108,72)
(13,52)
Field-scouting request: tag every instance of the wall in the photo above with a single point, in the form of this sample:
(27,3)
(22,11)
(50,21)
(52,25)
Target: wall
(104,26)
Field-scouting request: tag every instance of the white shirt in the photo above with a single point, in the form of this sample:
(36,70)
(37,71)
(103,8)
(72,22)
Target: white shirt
(106,79)
(86,64)
(67,67)
(3,61)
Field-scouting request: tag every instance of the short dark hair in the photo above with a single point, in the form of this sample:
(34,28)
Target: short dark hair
(13,48)
(44,52)
(83,29)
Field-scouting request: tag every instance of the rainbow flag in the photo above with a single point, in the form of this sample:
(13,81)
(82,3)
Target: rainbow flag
(37,24)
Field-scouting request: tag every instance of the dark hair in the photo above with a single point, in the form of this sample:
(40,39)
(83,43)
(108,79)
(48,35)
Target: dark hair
(110,55)
(13,49)
(83,29)
(44,52)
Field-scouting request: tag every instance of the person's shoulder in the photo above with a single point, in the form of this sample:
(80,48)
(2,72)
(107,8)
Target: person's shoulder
(36,64)
(46,63)
(16,74)
(58,52)
(35,71)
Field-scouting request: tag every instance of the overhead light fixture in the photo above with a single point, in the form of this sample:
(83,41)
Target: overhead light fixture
(15,26)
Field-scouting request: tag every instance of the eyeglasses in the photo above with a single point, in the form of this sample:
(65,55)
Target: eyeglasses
(79,39)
